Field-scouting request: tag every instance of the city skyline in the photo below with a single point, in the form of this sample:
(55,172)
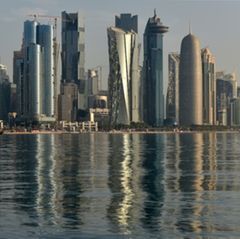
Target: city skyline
(176,14)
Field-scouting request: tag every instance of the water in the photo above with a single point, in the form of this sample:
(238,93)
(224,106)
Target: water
(120,186)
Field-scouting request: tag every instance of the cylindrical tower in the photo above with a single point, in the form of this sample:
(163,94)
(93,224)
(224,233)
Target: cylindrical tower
(45,39)
(35,82)
(190,82)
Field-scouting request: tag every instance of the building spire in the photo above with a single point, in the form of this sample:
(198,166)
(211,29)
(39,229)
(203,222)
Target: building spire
(155,12)
(190,28)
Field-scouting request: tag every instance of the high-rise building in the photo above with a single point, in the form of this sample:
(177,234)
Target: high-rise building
(226,90)
(124,77)
(73,48)
(209,87)
(235,112)
(73,61)
(172,105)
(153,97)
(190,82)
(67,102)
(38,83)
(93,82)
(127,22)
(18,69)
(4,93)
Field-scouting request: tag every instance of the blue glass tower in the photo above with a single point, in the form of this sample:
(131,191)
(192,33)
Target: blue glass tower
(153,97)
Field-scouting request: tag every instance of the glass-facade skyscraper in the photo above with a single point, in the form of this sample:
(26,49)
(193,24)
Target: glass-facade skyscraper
(73,48)
(209,87)
(37,86)
(153,97)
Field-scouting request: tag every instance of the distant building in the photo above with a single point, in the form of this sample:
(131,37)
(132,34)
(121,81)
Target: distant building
(13,98)
(93,82)
(235,112)
(18,70)
(190,82)
(37,86)
(172,102)
(4,93)
(127,22)
(226,91)
(153,97)
(68,102)
(238,91)
(209,87)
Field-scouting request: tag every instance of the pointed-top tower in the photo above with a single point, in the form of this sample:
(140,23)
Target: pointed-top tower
(153,98)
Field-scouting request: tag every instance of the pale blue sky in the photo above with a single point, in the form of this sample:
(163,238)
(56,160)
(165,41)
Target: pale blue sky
(215,23)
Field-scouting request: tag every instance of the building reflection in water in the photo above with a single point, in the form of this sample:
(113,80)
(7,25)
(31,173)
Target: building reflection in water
(124,182)
(135,184)
(152,181)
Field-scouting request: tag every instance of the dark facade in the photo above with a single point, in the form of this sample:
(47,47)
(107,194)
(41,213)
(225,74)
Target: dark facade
(73,48)
(224,95)
(153,97)
(127,22)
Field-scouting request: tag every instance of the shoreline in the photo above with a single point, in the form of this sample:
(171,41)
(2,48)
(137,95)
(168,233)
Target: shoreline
(120,132)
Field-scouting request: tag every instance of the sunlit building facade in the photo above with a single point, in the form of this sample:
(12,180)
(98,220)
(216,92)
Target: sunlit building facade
(123,82)
(190,82)
(209,87)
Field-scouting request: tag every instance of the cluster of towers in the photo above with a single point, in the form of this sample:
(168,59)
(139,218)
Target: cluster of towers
(196,94)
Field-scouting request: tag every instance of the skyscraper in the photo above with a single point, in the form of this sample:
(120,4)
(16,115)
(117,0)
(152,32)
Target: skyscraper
(190,82)
(123,84)
(73,48)
(4,93)
(172,105)
(153,97)
(226,90)
(209,87)
(18,69)
(73,61)
(37,85)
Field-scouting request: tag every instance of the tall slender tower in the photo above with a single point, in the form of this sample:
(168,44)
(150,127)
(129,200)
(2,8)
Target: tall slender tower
(123,61)
(124,77)
(73,48)
(209,87)
(153,97)
(190,82)
(172,104)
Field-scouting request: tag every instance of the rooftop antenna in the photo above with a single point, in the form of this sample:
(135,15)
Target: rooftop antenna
(190,29)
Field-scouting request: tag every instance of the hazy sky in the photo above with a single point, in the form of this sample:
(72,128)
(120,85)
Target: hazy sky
(215,23)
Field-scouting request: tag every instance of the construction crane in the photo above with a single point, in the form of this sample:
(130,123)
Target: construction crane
(36,16)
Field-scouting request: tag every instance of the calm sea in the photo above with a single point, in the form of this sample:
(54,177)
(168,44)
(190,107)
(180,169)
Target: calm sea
(120,186)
